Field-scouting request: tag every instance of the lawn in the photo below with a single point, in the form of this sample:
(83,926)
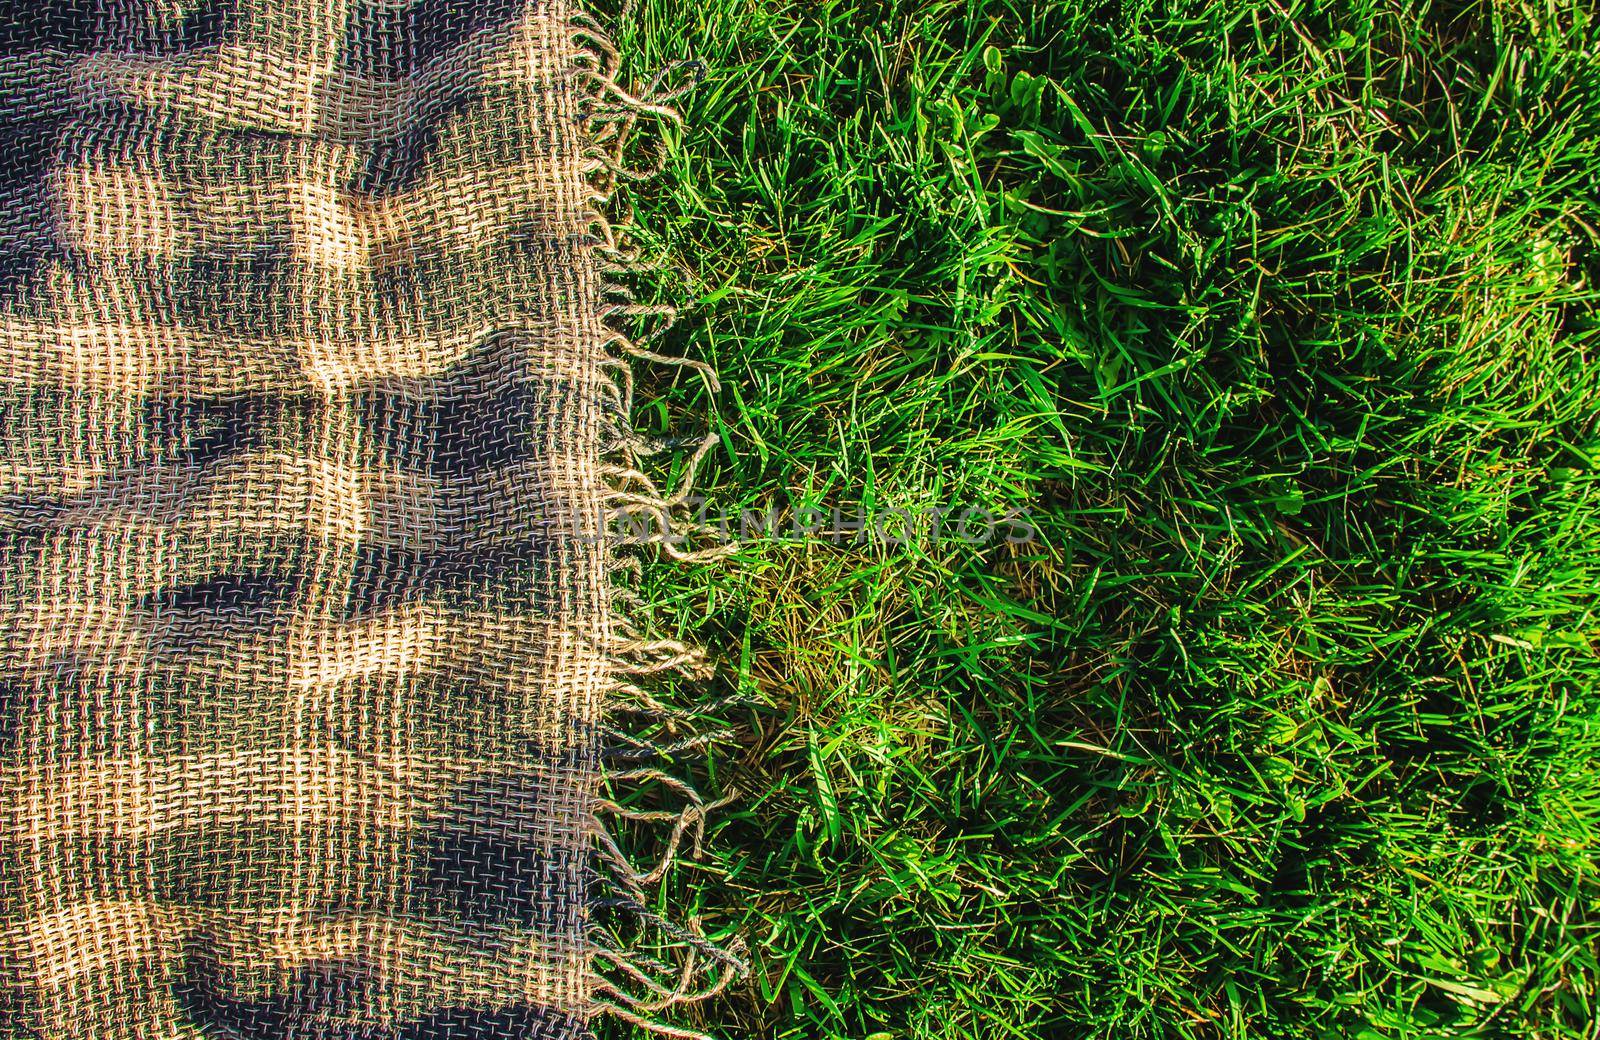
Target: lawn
(1274,323)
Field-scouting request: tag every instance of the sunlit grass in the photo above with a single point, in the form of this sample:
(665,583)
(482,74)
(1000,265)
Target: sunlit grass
(1277,319)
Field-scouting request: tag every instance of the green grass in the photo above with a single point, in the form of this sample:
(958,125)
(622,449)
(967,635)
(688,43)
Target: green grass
(1278,319)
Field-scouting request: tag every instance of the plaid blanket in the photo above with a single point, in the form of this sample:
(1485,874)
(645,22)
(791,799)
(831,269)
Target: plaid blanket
(305,634)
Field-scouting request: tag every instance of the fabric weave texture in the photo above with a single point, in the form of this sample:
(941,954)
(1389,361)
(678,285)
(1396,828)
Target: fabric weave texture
(303,626)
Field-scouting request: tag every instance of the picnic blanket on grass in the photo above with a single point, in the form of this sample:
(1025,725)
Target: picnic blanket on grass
(305,630)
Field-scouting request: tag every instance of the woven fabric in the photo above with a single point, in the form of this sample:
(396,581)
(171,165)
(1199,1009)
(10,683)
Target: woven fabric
(302,628)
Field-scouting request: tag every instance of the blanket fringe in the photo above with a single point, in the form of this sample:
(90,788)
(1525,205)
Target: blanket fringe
(667,964)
